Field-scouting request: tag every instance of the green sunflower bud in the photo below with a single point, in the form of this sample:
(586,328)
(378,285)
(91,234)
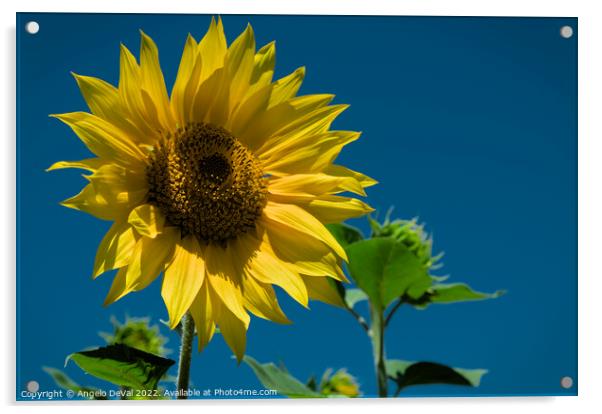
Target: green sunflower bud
(136,333)
(411,234)
(341,383)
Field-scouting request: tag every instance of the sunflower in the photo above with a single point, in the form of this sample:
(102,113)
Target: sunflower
(223,186)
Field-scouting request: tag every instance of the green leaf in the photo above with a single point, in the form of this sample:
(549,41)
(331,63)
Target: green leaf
(451,293)
(384,269)
(312,384)
(459,292)
(65,382)
(62,380)
(345,234)
(123,365)
(353,296)
(275,378)
(407,373)
(417,289)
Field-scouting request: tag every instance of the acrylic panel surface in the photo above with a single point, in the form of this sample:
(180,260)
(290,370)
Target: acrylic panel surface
(469,124)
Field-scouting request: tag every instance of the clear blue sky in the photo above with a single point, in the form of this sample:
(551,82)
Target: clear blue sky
(468,123)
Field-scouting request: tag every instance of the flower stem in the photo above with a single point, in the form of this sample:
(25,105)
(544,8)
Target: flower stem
(377,335)
(185,356)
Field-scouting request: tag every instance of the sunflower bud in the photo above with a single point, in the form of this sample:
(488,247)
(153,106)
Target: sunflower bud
(412,235)
(341,383)
(136,333)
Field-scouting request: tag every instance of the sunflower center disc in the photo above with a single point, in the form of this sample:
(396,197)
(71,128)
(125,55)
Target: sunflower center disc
(206,183)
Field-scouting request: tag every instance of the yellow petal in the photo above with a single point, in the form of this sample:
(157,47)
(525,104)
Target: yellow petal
(129,71)
(291,216)
(118,288)
(323,289)
(303,253)
(310,185)
(212,49)
(331,208)
(260,299)
(147,219)
(202,312)
(220,110)
(118,177)
(276,118)
(185,77)
(263,68)
(89,201)
(104,101)
(102,138)
(115,249)
(232,328)
(340,171)
(287,87)
(190,92)
(302,131)
(249,110)
(306,154)
(151,110)
(149,258)
(130,92)
(314,122)
(153,81)
(101,97)
(239,64)
(263,265)
(146,253)
(225,280)
(111,194)
(130,82)
(183,278)
(210,103)
(89,164)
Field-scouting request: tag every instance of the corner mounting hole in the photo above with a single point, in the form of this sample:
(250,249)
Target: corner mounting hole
(566,32)
(566,382)
(32,27)
(33,386)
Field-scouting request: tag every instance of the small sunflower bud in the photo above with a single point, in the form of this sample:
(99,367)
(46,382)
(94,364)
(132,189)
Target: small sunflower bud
(412,235)
(137,333)
(340,383)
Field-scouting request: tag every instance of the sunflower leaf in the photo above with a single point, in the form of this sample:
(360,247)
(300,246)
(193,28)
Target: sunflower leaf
(311,383)
(385,270)
(345,234)
(407,373)
(354,296)
(450,293)
(123,365)
(65,382)
(275,378)
(62,380)
(459,292)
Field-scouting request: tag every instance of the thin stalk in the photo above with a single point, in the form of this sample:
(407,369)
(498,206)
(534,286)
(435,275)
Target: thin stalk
(185,356)
(359,319)
(377,335)
(392,311)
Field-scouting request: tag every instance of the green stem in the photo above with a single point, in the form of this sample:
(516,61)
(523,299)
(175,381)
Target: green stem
(185,356)
(359,319)
(377,334)
(393,310)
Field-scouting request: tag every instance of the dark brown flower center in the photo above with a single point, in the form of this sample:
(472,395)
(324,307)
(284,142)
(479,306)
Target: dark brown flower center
(206,183)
